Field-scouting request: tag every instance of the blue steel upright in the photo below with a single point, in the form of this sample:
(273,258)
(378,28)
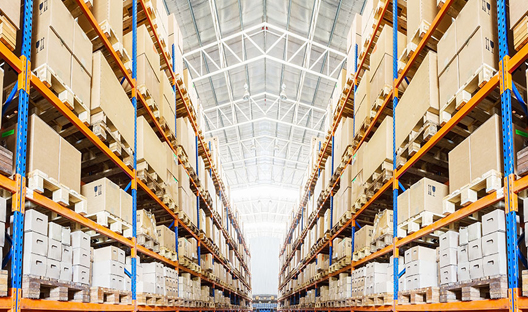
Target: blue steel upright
(330,248)
(21,148)
(134,178)
(395,254)
(505,81)
(197,200)
(175,135)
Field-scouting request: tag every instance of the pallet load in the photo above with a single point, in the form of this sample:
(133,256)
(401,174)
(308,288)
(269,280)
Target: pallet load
(378,170)
(62,56)
(109,284)
(518,10)
(10,21)
(152,169)
(421,271)
(111,111)
(420,205)
(359,282)
(474,258)
(420,119)
(362,241)
(59,174)
(465,181)
(378,289)
(382,230)
(167,109)
(381,61)
(187,141)
(109,205)
(53,260)
(467,55)
(148,67)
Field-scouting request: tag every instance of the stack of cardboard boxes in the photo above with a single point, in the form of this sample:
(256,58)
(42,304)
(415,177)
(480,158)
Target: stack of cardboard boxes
(82,260)
(421,268)
(377,278)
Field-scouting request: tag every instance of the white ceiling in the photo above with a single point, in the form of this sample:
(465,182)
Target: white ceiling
(264,140)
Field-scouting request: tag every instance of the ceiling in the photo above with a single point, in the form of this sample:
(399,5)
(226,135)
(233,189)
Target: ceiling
(266,130)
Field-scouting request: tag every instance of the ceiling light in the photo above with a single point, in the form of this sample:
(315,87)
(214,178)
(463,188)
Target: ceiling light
(246,92)
(283,94)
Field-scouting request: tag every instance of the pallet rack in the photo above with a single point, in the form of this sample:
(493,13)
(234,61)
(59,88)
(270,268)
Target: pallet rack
(17,186)
(508,194)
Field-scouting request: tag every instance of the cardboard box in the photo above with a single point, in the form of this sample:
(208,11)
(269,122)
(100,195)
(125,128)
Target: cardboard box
(81,257)
(69,166)
(448,274)
(166,237)
(427,195)
(149,147)
(80,83)
(494,221)
(146,223)
(476,269)
(475,250)
(34,264)
(125,206)
(481,49)
(423,86)
(420,253)
(462,254)
(66,272)
(422,12)
(35,221)
(363,237)
(449,240)
(108,267)
(447,47)
(381,79)
(486,140)
(53,14)
(495,264)
(448,257)
(109,253)
(109,97)
(476,14)
(67,254)
(404,202)
(102,195)
(383,46)
(53,269)
(35,243)
(80,239)
(459,171)
(11,9)
(353,40)
(463,272)
(42,140)
(168,102)
(379,148)
(54,250)
(494,243)
(82,50)
(449,81)
(517,11)
(111,12)
(474,231)
(362,96)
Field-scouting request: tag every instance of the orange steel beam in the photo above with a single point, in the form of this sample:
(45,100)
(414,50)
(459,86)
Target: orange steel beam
(476,305)
(51,305)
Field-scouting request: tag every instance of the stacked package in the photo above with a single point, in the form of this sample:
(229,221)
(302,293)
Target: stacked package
(421,269)
(109,268)
(47,250)
(377,278)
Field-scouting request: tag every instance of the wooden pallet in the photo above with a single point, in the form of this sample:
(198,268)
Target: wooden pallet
(6,161)
(3,283)
(424,130)
(481,76)
(419,296)
(378,299)
(520,33)
(149,99)
(150,299)
(479,289)
(415,223)
(169,254)
(522,161)
(362,253)
(105,130)
(148,242)
(150,177)
(65,94)
(524,280)
(380,176)
(489,182)
(381,242)
(37,287)
(39,182)
(110,296)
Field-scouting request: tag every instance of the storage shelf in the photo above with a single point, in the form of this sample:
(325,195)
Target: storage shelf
(486,201)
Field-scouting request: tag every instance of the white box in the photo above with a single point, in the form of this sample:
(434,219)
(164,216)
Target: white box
(80,239)
(462,254)
(449,240)
(409,283)
(403,283)
(146,287)
(66,272)
(107,280)
(493,222)
(448,274)
(67,254)
(475,269)
(494,243)
(2,234)
(109,253)
(54,250)
(81,256)
(81,274)
(35,243)
(463,272)
(3,207)
(153,267)
(66,239)
(495,264)
(54,269)
(108,267)
(36,222)
(420,253)
(463,236)
(34,264)
(420,267)
(421,281)
(474,231)
(448,256)
(474,250)
(54,231)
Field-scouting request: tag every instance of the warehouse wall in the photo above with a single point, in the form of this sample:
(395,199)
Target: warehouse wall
(264,264)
